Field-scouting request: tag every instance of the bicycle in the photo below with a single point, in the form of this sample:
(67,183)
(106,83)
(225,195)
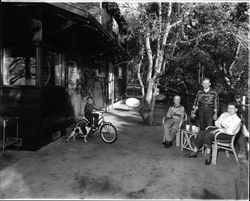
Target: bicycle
(107,130)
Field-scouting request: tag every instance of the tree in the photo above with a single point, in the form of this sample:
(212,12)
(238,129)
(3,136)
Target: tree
(151,26)
(215,44)
(187,41)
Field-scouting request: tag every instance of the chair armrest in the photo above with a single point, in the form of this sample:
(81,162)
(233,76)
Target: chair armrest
(210,127)
(218,133)
(180,124)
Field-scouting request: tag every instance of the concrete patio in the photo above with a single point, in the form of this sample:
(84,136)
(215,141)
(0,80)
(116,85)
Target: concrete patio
(135,166)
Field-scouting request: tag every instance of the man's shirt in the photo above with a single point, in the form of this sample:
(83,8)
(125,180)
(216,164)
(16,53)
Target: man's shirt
(209,98)
(176,112)
(230,123)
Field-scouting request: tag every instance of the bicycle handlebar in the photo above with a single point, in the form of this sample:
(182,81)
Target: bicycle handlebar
(99,111)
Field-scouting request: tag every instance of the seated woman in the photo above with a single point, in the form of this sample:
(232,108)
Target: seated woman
(171,124)
(227,124)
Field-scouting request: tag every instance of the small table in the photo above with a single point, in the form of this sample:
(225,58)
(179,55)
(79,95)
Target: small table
(6,141)
(186,137)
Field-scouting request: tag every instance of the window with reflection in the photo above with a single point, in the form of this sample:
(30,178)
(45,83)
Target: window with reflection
(19,66)
(53,69)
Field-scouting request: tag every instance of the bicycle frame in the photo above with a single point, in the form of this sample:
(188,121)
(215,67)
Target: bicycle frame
(101,120)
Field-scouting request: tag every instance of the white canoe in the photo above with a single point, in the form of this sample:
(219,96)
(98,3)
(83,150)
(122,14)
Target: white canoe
(132,102)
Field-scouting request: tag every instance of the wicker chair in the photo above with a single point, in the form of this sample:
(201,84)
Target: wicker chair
(177,139)
(227,145)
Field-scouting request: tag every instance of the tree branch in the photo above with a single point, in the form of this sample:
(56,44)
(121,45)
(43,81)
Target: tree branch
(139,72)
(150,57)
(198,37)
(230,69)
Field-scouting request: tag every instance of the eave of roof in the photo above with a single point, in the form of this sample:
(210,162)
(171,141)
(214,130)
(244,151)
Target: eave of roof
(82,13)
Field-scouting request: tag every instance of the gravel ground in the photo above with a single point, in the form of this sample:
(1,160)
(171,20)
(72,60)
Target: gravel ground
(136,166)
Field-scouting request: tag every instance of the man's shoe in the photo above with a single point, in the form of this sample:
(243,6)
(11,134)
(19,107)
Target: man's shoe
(208,161)
(168,144)
(191,155)
(164,142)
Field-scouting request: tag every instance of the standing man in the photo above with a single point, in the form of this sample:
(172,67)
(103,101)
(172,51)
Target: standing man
(207,104)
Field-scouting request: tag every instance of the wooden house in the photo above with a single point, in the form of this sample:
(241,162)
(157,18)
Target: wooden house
(55,55)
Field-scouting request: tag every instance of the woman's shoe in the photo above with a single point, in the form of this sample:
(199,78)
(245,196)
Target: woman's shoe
(164,142)
(208,161)
(191,155)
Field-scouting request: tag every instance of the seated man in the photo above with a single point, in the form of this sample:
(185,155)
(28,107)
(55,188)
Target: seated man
(174,115)
(227,124)
(89,110)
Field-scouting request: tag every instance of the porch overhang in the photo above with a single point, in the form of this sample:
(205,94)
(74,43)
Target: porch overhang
(66,26)
(93,40)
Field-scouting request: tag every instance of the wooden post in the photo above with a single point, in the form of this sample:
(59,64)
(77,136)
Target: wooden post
(1,78)
(1,68)
(243,103)
(39,66)
(111,84)
(100,17)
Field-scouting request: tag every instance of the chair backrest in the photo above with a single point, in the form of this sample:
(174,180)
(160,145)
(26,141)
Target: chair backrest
(184,119)
(233,137)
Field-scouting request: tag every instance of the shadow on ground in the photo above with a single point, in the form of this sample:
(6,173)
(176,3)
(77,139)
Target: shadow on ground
(136,166)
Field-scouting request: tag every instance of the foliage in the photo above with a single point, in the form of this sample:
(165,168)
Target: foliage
(203,39)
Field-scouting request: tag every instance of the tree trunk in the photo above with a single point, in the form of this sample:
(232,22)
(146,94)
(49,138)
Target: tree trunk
(147,109)
(139,72)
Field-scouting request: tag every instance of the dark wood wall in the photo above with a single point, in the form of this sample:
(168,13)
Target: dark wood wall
(41,112)
(44,110)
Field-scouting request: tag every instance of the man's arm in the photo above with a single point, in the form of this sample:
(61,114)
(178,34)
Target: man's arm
(216,103)
(95,108)
(218,121)
(180,113)
(231,130)
(169,113)
(218,125)
(196,101)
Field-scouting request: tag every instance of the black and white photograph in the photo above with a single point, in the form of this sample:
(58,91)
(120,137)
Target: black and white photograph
(124,100)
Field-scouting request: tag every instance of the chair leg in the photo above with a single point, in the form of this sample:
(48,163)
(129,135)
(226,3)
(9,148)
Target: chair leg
(164,138)
(203,151)
(177,138)
(214,153)
(181,140)
(235,155)
(227,153)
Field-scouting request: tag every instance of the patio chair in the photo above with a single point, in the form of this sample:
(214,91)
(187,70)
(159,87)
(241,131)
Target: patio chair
(227,145)
(177,139)
(178,134)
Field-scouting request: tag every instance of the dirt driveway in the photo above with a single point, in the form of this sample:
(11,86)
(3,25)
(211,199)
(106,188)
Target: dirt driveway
(135,166)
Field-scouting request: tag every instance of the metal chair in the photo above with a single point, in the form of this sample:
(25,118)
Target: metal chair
(227,145)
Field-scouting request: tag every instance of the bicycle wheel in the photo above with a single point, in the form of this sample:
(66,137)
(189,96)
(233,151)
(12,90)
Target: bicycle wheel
(108,133)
